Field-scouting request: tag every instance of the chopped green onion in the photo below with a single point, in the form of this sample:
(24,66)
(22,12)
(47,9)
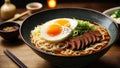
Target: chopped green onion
(116,14)
(82,27)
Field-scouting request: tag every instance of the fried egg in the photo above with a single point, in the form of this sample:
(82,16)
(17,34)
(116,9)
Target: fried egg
(57,30)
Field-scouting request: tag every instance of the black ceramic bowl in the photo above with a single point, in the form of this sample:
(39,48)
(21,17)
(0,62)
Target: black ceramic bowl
(79,13)
(9,30)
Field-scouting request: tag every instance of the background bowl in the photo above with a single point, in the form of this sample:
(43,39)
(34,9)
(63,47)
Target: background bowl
(85,14)
(34,7)
(110,11)
(10,35)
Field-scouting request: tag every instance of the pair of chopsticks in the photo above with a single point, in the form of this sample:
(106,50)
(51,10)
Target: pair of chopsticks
(15,59)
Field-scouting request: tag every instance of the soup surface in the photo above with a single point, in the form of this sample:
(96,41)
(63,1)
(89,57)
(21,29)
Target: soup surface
(10,28)
(69,37)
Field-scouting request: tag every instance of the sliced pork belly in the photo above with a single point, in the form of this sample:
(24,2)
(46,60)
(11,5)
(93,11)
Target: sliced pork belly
(70,45)
(97,35)
(83,41)
(87,35)
(77,42)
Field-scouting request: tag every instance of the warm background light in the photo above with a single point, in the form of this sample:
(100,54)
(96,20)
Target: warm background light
(51,3)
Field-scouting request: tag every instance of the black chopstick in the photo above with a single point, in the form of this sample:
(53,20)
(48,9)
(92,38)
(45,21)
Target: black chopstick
(15,59)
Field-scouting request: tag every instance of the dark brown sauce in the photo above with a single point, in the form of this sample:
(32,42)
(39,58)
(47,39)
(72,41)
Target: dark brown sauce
(34,6)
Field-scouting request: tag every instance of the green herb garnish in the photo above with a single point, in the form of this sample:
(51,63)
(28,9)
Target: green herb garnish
(116,14)
(82,27)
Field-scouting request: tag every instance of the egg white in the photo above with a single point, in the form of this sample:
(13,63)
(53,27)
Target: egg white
(66,31)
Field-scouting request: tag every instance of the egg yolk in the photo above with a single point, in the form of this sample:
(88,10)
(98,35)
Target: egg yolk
(63,22)
(54,30)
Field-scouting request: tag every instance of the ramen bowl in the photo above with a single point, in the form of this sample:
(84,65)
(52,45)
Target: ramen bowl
(79,13)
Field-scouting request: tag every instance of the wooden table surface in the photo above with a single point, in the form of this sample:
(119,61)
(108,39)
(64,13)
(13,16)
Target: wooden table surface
(110,60)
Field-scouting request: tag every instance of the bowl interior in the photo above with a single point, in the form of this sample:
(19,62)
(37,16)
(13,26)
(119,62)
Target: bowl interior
(86,14)
(8,24)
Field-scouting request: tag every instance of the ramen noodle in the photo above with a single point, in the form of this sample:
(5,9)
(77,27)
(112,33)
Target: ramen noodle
(89,42)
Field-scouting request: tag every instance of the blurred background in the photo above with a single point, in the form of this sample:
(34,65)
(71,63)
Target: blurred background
(22,3)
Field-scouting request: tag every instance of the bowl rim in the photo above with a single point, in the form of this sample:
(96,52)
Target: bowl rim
(111,9)
(31,46)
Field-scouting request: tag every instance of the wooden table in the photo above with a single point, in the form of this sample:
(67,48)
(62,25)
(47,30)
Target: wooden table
(110,60)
